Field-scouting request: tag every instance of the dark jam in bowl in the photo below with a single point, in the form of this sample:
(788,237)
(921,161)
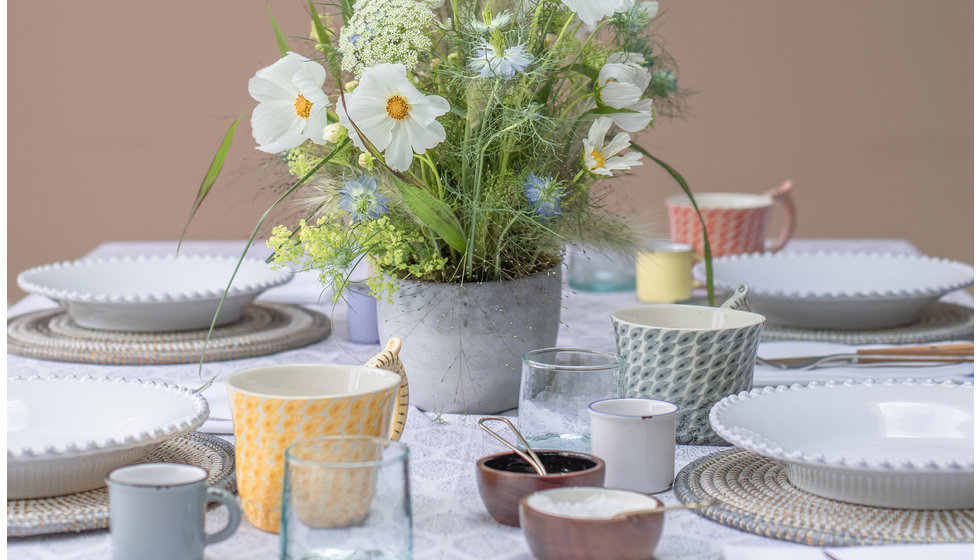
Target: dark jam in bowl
(555,462)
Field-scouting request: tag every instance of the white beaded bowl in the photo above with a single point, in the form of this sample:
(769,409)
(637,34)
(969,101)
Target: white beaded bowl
(901,444)
(64,434)
(152,293)
(840,290)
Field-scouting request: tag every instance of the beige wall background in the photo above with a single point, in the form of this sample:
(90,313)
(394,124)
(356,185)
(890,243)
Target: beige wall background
(115,109)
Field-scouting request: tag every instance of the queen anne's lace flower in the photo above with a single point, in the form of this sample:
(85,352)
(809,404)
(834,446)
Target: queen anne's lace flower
(386,31)
(488,63)
(602,160)
(393,115)
(591,11)
(292,106)
(361,198)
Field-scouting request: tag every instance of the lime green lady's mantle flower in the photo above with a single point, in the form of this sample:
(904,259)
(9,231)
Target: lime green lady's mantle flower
(292,106)
(393,115)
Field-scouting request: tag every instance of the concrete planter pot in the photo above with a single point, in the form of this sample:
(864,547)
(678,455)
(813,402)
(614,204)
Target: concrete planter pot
(462,343)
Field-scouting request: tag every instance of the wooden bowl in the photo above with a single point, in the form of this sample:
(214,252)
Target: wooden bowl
(567,536)
(505,478)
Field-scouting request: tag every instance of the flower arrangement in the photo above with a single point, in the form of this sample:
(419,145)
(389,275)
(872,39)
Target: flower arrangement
(458,140)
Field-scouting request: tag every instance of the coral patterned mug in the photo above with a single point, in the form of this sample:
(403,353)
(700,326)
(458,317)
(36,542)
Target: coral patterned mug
(272,407)
(736,222)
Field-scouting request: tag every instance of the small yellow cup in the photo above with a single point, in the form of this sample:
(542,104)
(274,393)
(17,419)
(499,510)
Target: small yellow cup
(663,272)
(274,406)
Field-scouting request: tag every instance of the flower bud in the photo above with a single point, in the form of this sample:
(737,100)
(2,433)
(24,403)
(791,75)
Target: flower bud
(365,160)
(349,86)
(334,133)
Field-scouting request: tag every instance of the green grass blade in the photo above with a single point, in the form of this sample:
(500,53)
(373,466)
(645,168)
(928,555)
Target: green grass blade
(435,214)
(248,244)
(280,38)
(212,175)
(708,270)
(321,32)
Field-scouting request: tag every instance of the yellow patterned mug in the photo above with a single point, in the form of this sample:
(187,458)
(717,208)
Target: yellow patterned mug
(275,406)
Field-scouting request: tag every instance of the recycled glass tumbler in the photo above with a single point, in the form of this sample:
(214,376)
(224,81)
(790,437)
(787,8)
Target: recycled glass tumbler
(557,387)
(346,497)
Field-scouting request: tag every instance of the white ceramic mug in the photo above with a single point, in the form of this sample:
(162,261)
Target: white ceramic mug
(635,437)
(156,512)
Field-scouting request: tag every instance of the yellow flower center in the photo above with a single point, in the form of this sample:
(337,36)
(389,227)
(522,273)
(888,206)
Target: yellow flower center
(600,161)
(303,106)
(397,107)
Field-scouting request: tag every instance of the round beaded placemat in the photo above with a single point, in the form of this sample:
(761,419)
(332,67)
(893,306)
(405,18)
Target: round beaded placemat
(755,495)
(89,510)
(940,321)
(264,328)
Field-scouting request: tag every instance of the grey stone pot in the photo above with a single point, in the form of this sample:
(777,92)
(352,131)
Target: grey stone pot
(462,343)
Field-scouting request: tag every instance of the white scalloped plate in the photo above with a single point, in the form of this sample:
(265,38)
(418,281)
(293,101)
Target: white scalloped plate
(152,294)
(901,444)
(64,434)
(840,290)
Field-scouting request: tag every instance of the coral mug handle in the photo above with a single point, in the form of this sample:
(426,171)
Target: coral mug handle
(780,195)
(388,359)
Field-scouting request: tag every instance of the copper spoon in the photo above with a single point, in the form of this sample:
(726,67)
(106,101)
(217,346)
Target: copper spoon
(530,456)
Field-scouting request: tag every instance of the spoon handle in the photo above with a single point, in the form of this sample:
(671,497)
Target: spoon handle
(530,456)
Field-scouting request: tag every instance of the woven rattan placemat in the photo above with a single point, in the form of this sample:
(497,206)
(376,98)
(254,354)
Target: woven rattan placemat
(264,328)
(89,510)
(940,321)
(755,495)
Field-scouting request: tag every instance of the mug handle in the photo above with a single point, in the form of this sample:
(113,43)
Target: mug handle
(388,359)
(739,300)
(780,195)
(234,515)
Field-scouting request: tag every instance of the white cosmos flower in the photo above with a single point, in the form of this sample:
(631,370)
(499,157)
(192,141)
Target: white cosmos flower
(393,115)
(488,63)
(591,11)
(621,86)
(292,106)
(602,160)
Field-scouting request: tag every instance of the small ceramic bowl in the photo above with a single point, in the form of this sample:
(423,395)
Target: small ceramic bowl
(504,478)
(582,524)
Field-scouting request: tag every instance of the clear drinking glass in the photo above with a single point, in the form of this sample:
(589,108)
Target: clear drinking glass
(346,497)
(557,386)
(598,270)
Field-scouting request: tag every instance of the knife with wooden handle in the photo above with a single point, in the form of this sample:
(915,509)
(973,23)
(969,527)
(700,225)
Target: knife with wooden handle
(943,352)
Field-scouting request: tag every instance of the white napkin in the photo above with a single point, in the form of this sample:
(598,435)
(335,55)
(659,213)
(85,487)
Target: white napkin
(891,552)
(219,422)
(765,375)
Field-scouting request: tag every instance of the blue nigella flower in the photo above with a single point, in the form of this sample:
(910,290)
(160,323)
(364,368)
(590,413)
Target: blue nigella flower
(361,198)
(544,194)
(488,63)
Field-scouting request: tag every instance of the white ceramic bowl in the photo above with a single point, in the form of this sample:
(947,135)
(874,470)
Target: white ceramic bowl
(840,290)
(64,434)
(156,293)
(902,444)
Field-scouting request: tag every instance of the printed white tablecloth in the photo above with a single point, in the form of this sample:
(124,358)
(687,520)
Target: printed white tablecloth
(450,521)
